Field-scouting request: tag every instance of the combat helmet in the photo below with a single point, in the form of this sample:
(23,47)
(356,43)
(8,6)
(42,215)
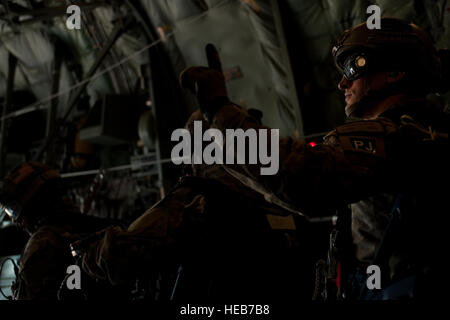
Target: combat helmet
(398,46)
(26,184)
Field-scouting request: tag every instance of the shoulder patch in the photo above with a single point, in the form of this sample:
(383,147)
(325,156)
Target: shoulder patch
(364,144)
(366,137)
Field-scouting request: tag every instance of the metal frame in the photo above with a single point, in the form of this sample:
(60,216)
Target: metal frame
(12,66)
(117,32)
(53,128)
(285,56)
(151,37)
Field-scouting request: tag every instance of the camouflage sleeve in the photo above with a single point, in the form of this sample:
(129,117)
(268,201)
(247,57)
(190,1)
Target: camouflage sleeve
(352,165)
(42,269)
(121,256)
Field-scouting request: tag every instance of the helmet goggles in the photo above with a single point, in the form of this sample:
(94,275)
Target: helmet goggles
(355,66)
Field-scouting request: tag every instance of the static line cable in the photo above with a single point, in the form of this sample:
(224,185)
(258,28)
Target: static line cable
(39,104)
(120,168)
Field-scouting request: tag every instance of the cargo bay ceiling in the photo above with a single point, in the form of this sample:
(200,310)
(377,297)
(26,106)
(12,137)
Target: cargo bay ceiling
(275,54)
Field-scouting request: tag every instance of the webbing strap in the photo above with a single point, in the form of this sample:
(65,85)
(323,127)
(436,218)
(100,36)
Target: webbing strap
(268,195)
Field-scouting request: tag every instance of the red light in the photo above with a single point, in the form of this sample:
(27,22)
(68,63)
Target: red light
(312,144)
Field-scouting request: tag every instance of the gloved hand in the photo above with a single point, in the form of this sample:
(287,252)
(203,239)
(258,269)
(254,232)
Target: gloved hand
(207,84)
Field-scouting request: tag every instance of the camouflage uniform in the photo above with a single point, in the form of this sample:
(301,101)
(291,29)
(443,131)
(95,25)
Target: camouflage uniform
(226,248)
(363,163)
(228,239)
(368,164)
(390,169)
(44,262)
(43,265)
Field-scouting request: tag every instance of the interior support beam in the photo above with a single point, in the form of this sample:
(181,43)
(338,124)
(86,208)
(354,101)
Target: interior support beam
(116,33)
(12,66)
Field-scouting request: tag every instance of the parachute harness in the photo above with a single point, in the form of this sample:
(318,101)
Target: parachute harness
(408,121)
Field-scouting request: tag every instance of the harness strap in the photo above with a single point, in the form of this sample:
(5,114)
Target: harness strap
(259,188)
(408,121)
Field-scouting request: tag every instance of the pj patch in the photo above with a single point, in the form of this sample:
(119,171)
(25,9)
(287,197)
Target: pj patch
(364,144)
